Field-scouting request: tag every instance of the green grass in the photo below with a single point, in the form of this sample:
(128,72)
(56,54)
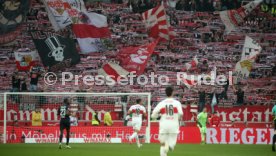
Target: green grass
(132,150)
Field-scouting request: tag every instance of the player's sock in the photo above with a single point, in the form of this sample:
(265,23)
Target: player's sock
(137,140)
(166,148)
(60,138)
(202,137)
(60,146)
(67,138)
(163,151)
(133,136)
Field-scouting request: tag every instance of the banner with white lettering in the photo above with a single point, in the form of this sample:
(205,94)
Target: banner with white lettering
(242,113)
(88,134)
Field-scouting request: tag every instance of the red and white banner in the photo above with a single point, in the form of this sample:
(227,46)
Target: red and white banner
(136,58)
(242,114)
(91,31)
(112,70)
(232,18)
(239,136)
(156,21)
(89,134)
(25,59)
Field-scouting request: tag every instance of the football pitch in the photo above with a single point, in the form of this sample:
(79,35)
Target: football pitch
(132,150)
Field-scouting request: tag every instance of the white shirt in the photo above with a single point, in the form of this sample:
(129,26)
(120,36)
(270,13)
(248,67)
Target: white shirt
(170,111)
(137,112)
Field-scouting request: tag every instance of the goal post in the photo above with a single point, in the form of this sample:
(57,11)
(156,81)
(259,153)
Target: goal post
(31,117)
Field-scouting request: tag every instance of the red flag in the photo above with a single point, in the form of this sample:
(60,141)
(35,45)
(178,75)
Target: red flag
(192,64)
(232,18)
(91,32)
(113,70)
(156,21)
(136,58)
(189,80)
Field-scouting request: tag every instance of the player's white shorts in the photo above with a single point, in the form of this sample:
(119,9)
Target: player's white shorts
(170,138)
(137,125)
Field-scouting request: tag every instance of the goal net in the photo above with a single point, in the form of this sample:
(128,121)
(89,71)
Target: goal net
(33,117)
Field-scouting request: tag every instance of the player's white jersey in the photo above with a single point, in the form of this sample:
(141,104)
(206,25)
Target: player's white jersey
(170,111)
(137,112)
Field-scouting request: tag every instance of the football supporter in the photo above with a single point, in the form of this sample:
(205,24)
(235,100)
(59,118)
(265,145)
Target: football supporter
(215,120)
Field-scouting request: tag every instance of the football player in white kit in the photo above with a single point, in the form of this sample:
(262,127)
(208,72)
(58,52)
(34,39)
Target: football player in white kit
(171,112)
(137,111)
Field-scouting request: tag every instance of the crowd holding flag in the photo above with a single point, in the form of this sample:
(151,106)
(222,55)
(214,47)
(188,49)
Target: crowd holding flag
(191,65)
(156,21)
(113,71)
(249,53)
(90,31)
(232,18)
(63,13)
(136,58)
(188,80)
(57,52)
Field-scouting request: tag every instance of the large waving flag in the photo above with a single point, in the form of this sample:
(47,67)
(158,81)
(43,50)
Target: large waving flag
(112,70)
(232,18)
(156,21)
(57,52)
(249,53)
(91,32)
(136,58)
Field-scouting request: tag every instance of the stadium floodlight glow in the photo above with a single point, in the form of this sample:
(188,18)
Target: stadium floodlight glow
(19,106)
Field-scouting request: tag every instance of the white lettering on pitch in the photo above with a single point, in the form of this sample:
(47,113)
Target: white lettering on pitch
(271,135)
(261,139)
(246,138)
(211,136)
(234,139)
(223,136)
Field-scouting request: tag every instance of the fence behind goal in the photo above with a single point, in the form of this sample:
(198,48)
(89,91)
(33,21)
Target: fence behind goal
(33,117)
